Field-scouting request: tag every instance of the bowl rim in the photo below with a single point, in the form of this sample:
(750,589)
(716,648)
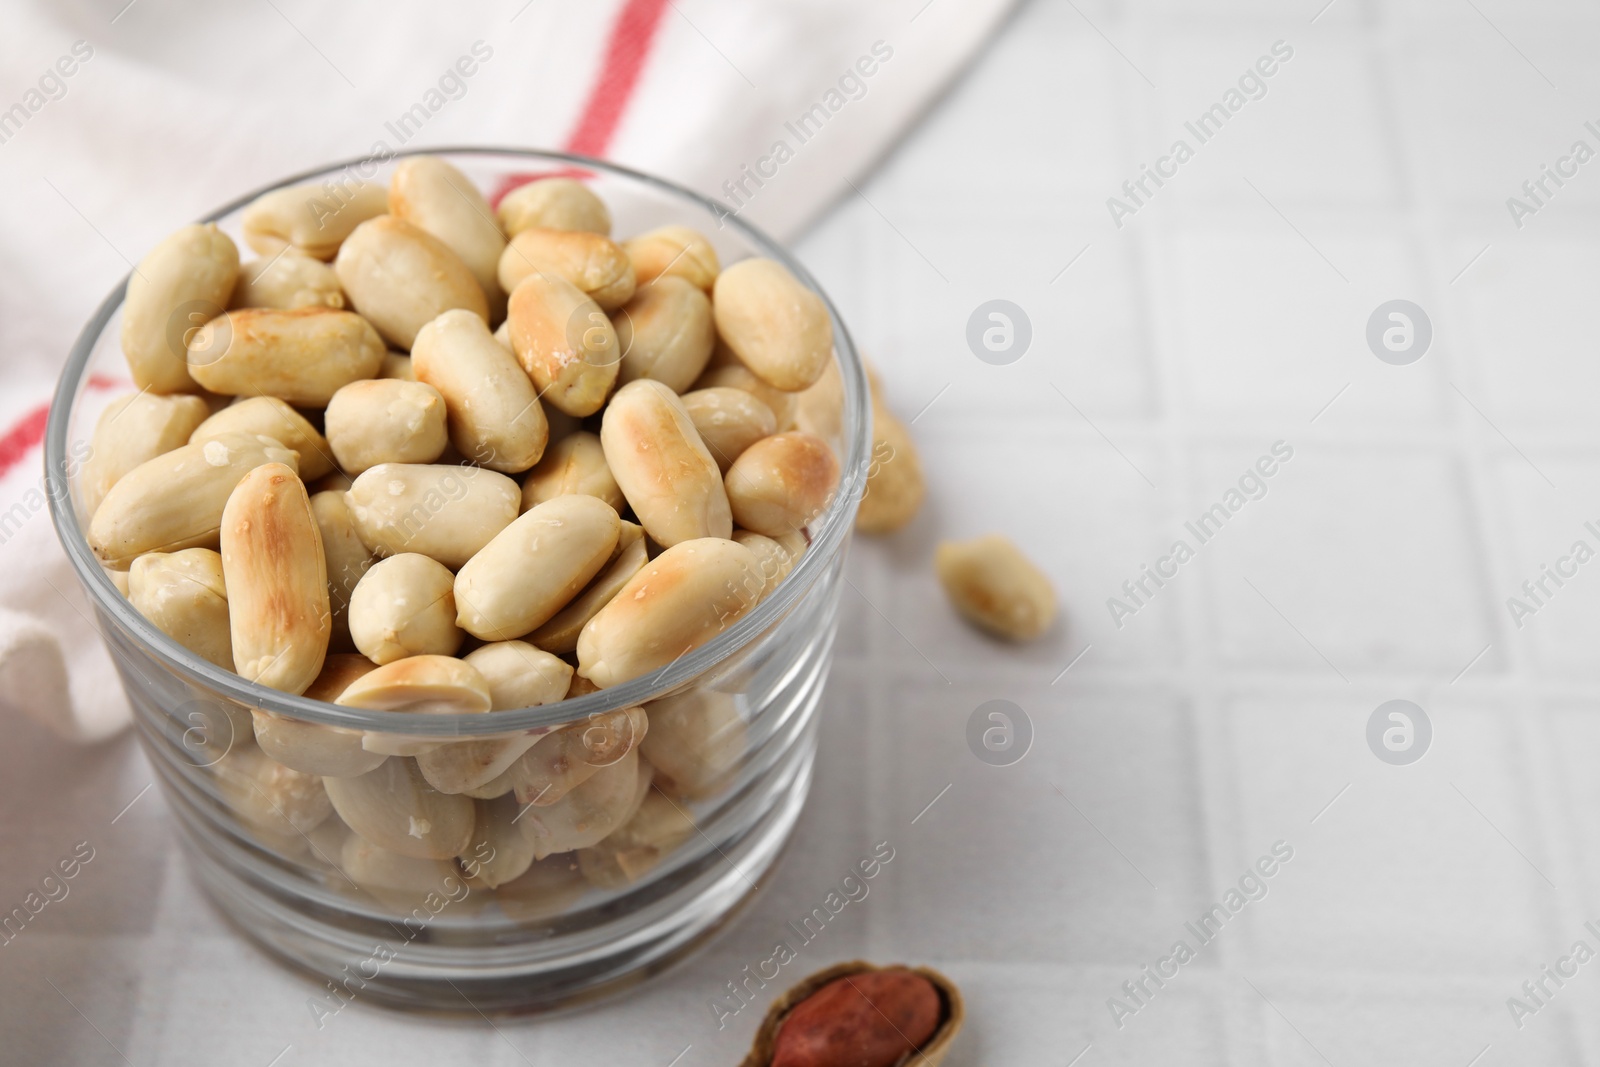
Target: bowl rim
(828,534)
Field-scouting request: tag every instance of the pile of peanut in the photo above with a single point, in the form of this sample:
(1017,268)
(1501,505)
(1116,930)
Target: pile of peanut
(338,480)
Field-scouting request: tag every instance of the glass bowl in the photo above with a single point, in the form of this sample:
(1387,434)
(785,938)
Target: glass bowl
(734,719)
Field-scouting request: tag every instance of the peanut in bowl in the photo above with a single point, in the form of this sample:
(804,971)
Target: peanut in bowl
(489,656)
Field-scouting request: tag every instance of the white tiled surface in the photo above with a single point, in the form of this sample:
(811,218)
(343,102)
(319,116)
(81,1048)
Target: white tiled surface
(1226,715)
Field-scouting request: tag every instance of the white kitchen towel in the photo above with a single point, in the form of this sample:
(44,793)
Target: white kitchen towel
(119,123)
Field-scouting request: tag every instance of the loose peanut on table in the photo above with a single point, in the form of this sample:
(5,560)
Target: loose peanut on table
(393,478)
(996,587)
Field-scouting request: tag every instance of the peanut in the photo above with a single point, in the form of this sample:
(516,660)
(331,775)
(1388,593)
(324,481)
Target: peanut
(404,606)
(560,633)
(184,595)
(287,281)
(636,847)
(309,219)
(683,598)
(532,568)
(302,356)
(554,204)
(733,375)
(994,586)
(775,325)
(328,751)
(663,468)
(565,759)
(781,483)
(393,808)
(402,278)
(422,685)
(729,421)
(695,740)
(774,559)
(175,500)
(438,199)
(871,1019)
(347,559)
(564,342)
(181,284)
(496,836)
(276,578)
(591,811)
(575,464)
(402,883)
(674,250)
(384,420)
(131,430)
(593,263)
(440,510)
(895,486)
(495,418)
(281,802)
(398,365)
(665,332)
(271,417)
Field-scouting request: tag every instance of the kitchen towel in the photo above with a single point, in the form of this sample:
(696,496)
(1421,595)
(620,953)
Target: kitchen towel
(120,123)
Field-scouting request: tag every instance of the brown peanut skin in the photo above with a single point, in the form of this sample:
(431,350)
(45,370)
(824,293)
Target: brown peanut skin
(860,1020)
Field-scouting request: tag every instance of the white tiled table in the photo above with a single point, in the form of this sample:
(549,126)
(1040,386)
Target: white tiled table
(1229,713)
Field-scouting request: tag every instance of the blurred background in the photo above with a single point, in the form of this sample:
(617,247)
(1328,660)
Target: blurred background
(1358,271)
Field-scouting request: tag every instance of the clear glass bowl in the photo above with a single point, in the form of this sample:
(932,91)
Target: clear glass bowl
(260,837)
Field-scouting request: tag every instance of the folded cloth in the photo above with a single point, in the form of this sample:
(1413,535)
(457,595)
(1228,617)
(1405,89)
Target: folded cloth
(771,109)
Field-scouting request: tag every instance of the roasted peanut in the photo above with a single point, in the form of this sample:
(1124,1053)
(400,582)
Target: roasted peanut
(336,481)
(440,510)
(180,285)
(393,808)
(519,676)
(282,802)
(593,263)
(591,811)
(695,740)
(346,557)
(397,881)
(665,332)
(781,483)
(996,587)
(732,375)
(895,486)
(328,751)
(404,606)
(131,430)
(301,356)
(776,326)
(772,557)
(565,759)
(679,601)
(499,852)
(634,849)
(313,220)
(277,580)
(674,250)
(397,365)
(271,417)
(663,468)
(555,204)
(819,410)
(402,278)
(183,594)
(560,633)
(564,342)
(574,465)
(437,198)
(421,685)
(175,500)
(532,568)
(548,888)
(287,281)
(729,421)
(385,420)
(495,417)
